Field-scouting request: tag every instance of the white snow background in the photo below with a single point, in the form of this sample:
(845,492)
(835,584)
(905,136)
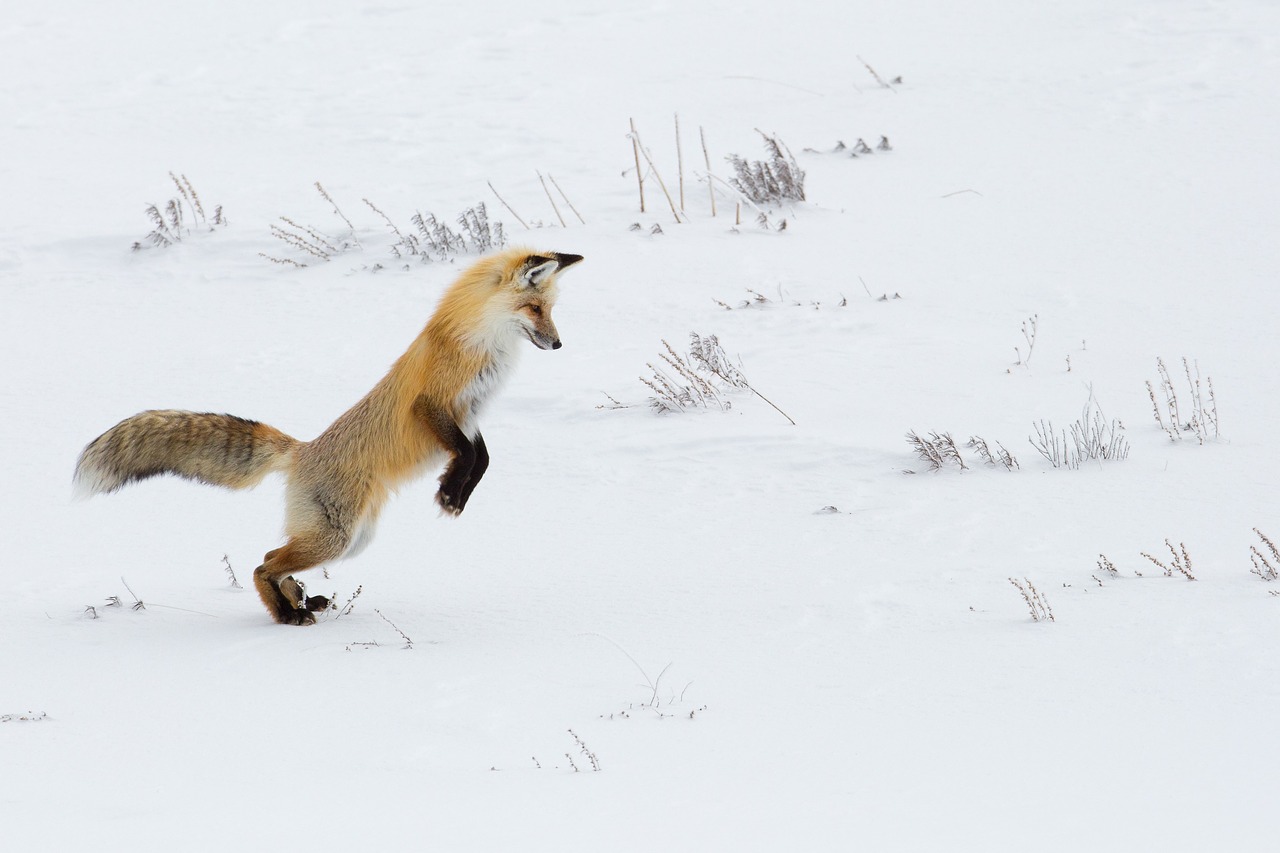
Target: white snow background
(749,672)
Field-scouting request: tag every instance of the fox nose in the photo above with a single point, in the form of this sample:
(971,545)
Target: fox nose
(557,345)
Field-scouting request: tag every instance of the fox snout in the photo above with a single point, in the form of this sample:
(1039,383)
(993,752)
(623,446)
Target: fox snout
(535,320)
(544,338)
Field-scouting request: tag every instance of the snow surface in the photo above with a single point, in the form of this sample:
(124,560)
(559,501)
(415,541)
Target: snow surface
(863,679)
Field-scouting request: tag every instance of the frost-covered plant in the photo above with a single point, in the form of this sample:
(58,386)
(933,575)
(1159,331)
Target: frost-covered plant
(1089,437)
(1200,420)
(995,458)
(698,380)
(1029,327)
(679,387)
(408,643)
(1180,563)
(1036,602)
(306,239)
(171,223)
(314,244)
(775,180)
(937,451)
(588,753)
(1107,567)
(231,573)
(1262,567)
(435,240)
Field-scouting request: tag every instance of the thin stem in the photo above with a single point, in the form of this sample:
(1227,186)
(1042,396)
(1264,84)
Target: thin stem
(507,206)
(550,199)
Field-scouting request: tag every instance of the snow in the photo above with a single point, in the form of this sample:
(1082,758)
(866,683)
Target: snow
(750,672)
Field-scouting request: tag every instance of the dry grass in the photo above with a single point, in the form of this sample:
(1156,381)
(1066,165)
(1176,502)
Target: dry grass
(775,180)
(1037,604)
(1090,438)
(179,216)
(435,240)
(1000,457)
(1200,420)
(1180,562)
(939,450)
(698,380)
(1262,566)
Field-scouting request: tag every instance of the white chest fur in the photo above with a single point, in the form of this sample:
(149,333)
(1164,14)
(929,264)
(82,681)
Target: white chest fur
(481,389)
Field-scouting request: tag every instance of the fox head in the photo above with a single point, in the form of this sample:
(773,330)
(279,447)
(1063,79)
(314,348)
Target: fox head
(535,292)
(504,298)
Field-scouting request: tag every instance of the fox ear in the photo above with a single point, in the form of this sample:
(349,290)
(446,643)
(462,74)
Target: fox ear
(539,269)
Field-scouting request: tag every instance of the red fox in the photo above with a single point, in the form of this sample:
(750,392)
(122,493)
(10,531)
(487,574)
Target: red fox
(421,412)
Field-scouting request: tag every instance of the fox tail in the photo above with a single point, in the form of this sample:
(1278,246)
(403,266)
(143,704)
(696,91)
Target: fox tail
(222,450)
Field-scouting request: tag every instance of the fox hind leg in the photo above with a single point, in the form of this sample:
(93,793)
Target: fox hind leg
(280,592)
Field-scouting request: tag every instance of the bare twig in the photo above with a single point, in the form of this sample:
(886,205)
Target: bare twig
(878,78)
(1036,602)
(507,206)
(408,643)
(680,162)
(137,602)
(231,573)
(338,211)
(550,199)
(707,157)
(552,179)
(635,149)
(661,184)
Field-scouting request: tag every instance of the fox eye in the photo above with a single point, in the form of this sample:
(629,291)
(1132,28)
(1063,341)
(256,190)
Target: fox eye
(536,310)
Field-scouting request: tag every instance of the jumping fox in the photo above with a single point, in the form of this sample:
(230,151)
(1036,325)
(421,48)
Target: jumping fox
(422,413)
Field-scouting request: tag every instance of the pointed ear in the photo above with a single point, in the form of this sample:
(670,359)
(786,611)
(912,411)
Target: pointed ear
(538,270)
(566,260)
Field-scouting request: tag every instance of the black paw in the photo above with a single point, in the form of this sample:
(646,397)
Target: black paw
(450,501)
(295,617)
(316,603)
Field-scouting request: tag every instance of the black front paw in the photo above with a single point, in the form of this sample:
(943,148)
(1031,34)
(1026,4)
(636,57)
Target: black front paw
(450,500)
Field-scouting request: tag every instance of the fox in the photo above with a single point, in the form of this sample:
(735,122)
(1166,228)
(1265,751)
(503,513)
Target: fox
(422,415)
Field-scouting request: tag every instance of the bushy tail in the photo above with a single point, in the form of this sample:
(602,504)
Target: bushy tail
(219,449)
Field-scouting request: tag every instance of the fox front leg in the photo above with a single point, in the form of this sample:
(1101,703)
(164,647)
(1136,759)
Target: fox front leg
(470,458)
(478,467)
(460,477)
(453,482)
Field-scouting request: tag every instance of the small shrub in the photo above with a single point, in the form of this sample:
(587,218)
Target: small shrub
(777,180)
(171,223)
(687,389)
(432,239)
(1090,437)
(1036,602)
(313,243)
(997,458)
(1263,567)
(1107,567)
(1029,328)
(699,380)
(1181,562)
(1200,420)
(939,450)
